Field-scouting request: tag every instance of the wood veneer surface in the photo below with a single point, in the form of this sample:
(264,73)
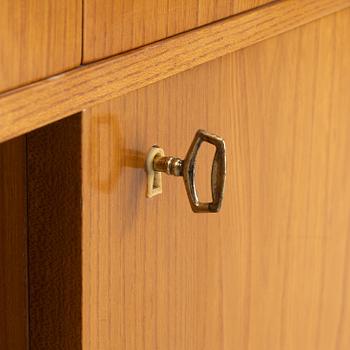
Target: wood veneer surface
(114,26)
(271,270)
(38,39)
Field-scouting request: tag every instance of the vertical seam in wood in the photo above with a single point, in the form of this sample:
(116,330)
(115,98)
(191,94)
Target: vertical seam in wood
(82,32)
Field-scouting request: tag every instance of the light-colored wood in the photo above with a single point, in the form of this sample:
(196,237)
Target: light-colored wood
(271,270)
(38,39)
(114,26)
(54,237)
(13,246)
(64,95)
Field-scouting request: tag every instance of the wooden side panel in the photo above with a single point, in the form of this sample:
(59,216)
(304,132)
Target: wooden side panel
(38,39)
(113,26)
(13,246)
(54,237)
(271,271)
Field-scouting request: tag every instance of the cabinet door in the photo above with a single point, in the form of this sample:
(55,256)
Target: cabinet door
(113,26)
(271,270)
(38,39)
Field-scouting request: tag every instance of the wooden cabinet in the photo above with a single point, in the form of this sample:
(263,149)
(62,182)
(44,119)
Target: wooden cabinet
(100,266)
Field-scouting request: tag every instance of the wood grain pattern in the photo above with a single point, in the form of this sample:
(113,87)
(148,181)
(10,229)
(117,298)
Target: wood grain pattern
(38,39)
(54,237)
(114,26)
(13,246)
(271,271)
(58,97)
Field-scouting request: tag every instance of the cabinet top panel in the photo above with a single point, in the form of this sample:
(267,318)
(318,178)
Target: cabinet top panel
(114,26)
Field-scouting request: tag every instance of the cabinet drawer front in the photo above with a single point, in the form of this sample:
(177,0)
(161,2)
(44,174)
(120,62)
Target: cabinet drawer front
(38,39)
(113,26)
